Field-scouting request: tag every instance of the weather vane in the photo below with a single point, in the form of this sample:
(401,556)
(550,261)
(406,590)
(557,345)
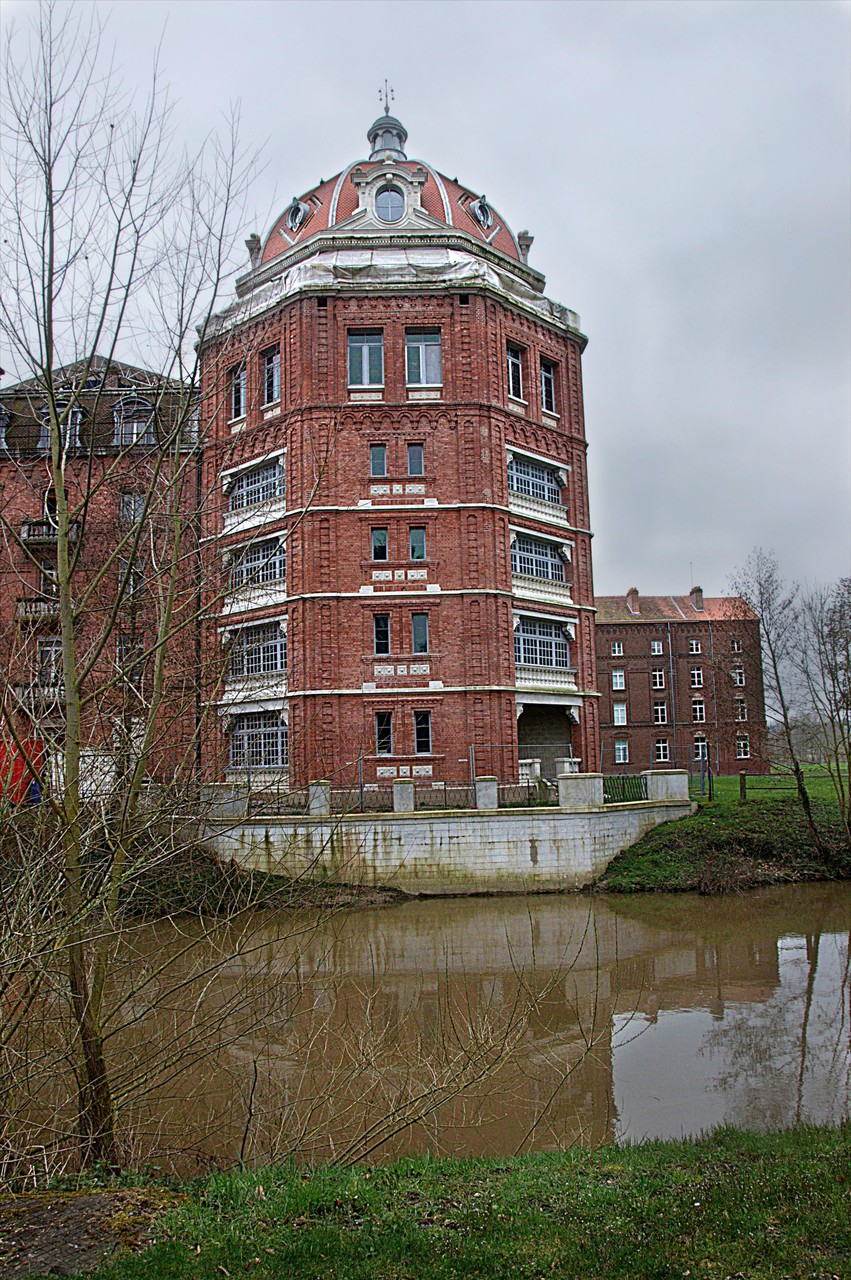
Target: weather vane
(386,95)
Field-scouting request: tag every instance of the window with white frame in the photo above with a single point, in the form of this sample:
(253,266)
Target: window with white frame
(261,562)
(618,678)
(260,484)
(701,747)
(423,366)
(256,651)
(536,559)
(662,751)
(131,579)
(238,383)
(548,386)
(617,648)
(656,648)
(514,358)
(697,677)
(736,646)
(422,733)
(698,710)
(738,676)
(131,507)
(419,633)
(70,419)
(133,418)
(660,713)
(417,543)
(541,644)
(694,646)
(366,359)
(621,751)
(270,369)
(534,480)
(740,709)
(259,740)
(618,713)
(743,747)
(50,671)
(657,678)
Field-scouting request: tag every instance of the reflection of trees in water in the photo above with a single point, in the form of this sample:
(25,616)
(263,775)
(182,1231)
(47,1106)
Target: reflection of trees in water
(787,1059)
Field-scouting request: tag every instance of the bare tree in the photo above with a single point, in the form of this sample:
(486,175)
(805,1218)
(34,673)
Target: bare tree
(823,664)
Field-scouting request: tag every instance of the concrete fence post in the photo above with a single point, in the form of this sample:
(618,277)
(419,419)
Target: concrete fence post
(567,764)
(666,784)
(319,799)
(580,791)
(403,795)
(487,793)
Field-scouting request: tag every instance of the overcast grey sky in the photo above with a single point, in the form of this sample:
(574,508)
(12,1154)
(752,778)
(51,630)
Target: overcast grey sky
(685,169)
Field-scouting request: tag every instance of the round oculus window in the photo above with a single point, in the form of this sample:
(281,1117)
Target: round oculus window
(389,204)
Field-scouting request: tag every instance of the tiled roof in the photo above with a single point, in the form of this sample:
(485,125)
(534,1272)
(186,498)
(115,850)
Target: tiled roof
(672,609)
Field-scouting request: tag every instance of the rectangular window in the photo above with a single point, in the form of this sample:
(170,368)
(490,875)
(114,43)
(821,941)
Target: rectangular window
(130,579)
(697,677)
(698,710)
(738,675)
(743,747)
(662,751)
(381,633)
(618,678)
(514,357)
(418,544)
(378,459)
(737,646)
(657,678)
(422,356)
(541,644)
(422,733)
(660,713)
(621,751)
(694,646)
(237,378)
(534,480)
(262,562)
(258,651)
(548,386)
(133,419)
(656,648)
(619,713)
(416,460)
(384,733)
(379,544)
(50,662)
(270,363)
(740,709)
(131,507)
(701,747)
(260,484)
(617,648)
(259,741)
(419,633)
(366,359)
(536,559)
(49,575)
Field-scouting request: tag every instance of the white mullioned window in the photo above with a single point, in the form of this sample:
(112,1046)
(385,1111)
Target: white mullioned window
(740,708)
(514,358)
(536,559)
(618,713)
(259,650)
(617,648)
(259,740)
(548,386)
(70,420)
(657,678)
(238,389)
(270,366)
(534,480)
(738,676)
(743,747)
(422,358)
(621,751)
(366,359)
(133,417)
(260,484)
(660,713)
(656,648)
(701,747)
(662,751)
(694,646)
(541,644)
(618,678)
(736,646)
(261,562)
(698,710)
(697,677)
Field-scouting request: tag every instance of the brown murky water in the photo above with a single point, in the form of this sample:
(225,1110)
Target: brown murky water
(489,1026)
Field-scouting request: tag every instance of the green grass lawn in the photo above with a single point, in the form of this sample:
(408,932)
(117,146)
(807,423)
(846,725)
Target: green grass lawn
(730,1205)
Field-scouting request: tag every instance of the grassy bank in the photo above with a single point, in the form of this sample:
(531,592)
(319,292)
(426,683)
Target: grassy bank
(728,845)
(730,1205)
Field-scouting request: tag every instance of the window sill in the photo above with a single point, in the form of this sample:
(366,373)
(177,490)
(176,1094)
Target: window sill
(517,406)
(550,413)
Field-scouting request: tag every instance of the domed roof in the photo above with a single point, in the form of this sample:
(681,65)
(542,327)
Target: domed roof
(388,192)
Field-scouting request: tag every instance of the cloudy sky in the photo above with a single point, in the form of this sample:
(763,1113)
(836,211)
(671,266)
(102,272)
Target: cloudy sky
(685,169)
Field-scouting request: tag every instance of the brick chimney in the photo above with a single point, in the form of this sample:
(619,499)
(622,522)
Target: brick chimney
(696,595)
(632,600)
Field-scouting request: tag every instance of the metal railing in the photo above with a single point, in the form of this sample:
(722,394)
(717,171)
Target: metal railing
(624,788)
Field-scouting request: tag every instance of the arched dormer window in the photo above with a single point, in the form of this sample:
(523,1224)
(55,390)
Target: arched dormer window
(70,417)
(134,421)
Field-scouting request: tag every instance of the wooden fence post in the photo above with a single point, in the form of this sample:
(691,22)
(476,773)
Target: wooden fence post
(743,785)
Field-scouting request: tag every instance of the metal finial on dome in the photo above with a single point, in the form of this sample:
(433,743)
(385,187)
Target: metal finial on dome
(388,136)
(386,95)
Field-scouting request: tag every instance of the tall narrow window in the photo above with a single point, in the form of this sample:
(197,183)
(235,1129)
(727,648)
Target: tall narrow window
(740,709)
(514,357)
(379,544)
(416,461)
(419,633)
(698,710)
(656,648)
(618,713)
(418,544)
(697,677)
(694,646)
(381,633)
(548,386)
(378,459)
(618,678)
(621,751)
(736,646)
(663,751)
(617,648)
(270,362)
(738,675)
(50,662)
(701,747)
(422,355)
(660,713)
(384,733)
(743,747)
(49,578)
(238,383)
(657,678)
(422,732)
(366,359)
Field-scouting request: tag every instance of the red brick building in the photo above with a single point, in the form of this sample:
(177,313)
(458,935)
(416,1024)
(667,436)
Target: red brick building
(680,680)
(397,516)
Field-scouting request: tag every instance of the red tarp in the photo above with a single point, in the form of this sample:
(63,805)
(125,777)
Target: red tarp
(16,776)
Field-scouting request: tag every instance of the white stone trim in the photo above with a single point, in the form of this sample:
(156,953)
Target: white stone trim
(556,465)
(227,472)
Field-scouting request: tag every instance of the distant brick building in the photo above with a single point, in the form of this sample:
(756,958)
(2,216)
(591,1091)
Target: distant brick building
(680,680)
(397,523)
